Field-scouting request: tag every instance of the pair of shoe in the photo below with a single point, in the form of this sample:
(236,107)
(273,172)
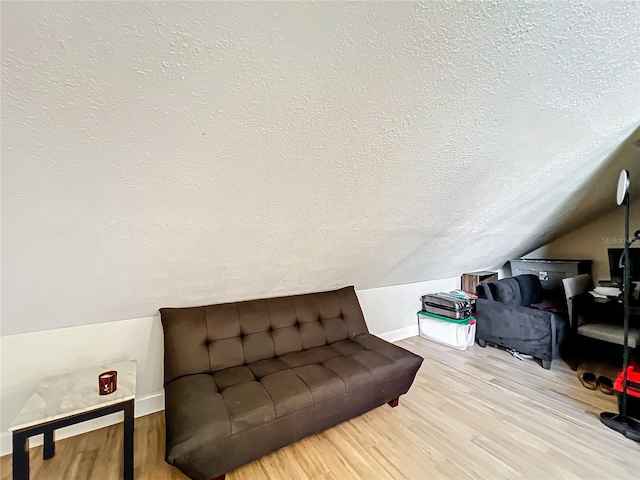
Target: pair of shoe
(590,381)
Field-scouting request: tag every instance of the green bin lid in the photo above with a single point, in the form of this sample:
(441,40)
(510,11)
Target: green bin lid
(462,321)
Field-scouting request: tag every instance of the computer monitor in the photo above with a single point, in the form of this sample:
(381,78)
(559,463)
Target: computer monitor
(614,264)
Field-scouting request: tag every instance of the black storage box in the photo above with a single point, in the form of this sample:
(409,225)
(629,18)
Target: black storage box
(550,271)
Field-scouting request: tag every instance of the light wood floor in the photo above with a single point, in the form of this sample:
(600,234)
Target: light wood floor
(474,414)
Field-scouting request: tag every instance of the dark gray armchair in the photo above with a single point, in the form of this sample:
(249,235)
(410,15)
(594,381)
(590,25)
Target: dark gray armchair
(513,313)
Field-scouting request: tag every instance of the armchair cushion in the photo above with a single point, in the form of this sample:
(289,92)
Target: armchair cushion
(507,290)
(530,289)
(554,306)
(522,289)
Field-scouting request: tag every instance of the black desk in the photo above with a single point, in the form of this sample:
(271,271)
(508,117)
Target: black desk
(599,311)
(605,309)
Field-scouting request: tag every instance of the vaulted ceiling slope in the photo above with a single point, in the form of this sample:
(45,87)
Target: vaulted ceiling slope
(159,154)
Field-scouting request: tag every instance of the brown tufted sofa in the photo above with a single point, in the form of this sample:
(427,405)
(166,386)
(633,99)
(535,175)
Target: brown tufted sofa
(244,379)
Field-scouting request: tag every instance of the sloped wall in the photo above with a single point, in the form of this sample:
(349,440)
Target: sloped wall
(593,240)
(159,154)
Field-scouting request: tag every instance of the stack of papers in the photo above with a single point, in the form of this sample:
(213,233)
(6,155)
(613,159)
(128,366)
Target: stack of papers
(463,294)
(605,292)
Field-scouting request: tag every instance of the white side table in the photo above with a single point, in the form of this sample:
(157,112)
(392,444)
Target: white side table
(72,398)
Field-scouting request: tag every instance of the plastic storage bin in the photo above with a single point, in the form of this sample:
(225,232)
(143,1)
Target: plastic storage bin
(633,390)
(458,334)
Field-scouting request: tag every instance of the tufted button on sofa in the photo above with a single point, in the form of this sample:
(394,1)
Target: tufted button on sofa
(244,379)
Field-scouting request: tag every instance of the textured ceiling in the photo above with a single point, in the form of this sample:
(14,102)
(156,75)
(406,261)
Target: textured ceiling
(174,154)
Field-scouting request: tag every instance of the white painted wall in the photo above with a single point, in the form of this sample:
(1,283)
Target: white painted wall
(391,312)
(159,154)
(27,358)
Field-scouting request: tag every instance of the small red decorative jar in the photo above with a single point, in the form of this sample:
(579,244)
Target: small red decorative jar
(107,382)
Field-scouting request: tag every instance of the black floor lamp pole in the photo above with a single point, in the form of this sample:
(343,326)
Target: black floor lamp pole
(621,423)
(625,260)
(626,293)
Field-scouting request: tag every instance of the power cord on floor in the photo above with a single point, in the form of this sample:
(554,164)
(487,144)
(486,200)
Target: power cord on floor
(518,355)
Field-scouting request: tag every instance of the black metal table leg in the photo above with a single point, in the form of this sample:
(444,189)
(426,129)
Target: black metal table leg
(21,438)
(49,445)
(128,440)
(20,456)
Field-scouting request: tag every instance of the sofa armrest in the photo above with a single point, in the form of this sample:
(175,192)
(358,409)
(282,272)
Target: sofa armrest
(195,414)
(537,332)
(400,356)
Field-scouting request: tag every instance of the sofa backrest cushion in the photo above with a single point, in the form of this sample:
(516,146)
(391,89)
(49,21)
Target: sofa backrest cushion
(507,290)
(530,289)
(486,291)
(211,338)
(523,290)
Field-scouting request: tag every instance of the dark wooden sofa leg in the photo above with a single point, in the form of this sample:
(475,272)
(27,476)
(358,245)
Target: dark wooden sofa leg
(394,402)
(482,343)
(219,477)
(546,364)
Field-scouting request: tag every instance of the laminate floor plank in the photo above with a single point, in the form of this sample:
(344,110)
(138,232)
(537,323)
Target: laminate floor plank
(474,414)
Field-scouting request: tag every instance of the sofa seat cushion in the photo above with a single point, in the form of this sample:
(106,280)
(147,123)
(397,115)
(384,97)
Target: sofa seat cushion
(321,381)
(353,373)
(555,306)
(347,347)
(298,359)
(262,368)
(324,353)
(288,392)
(248,405)
(233,376)
(381,367)
(239,398)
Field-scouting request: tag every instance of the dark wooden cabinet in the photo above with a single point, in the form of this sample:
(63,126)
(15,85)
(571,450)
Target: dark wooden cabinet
(470,281)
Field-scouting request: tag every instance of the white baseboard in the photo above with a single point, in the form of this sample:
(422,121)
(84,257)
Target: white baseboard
(144,406)
(150,404)
(400,333)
